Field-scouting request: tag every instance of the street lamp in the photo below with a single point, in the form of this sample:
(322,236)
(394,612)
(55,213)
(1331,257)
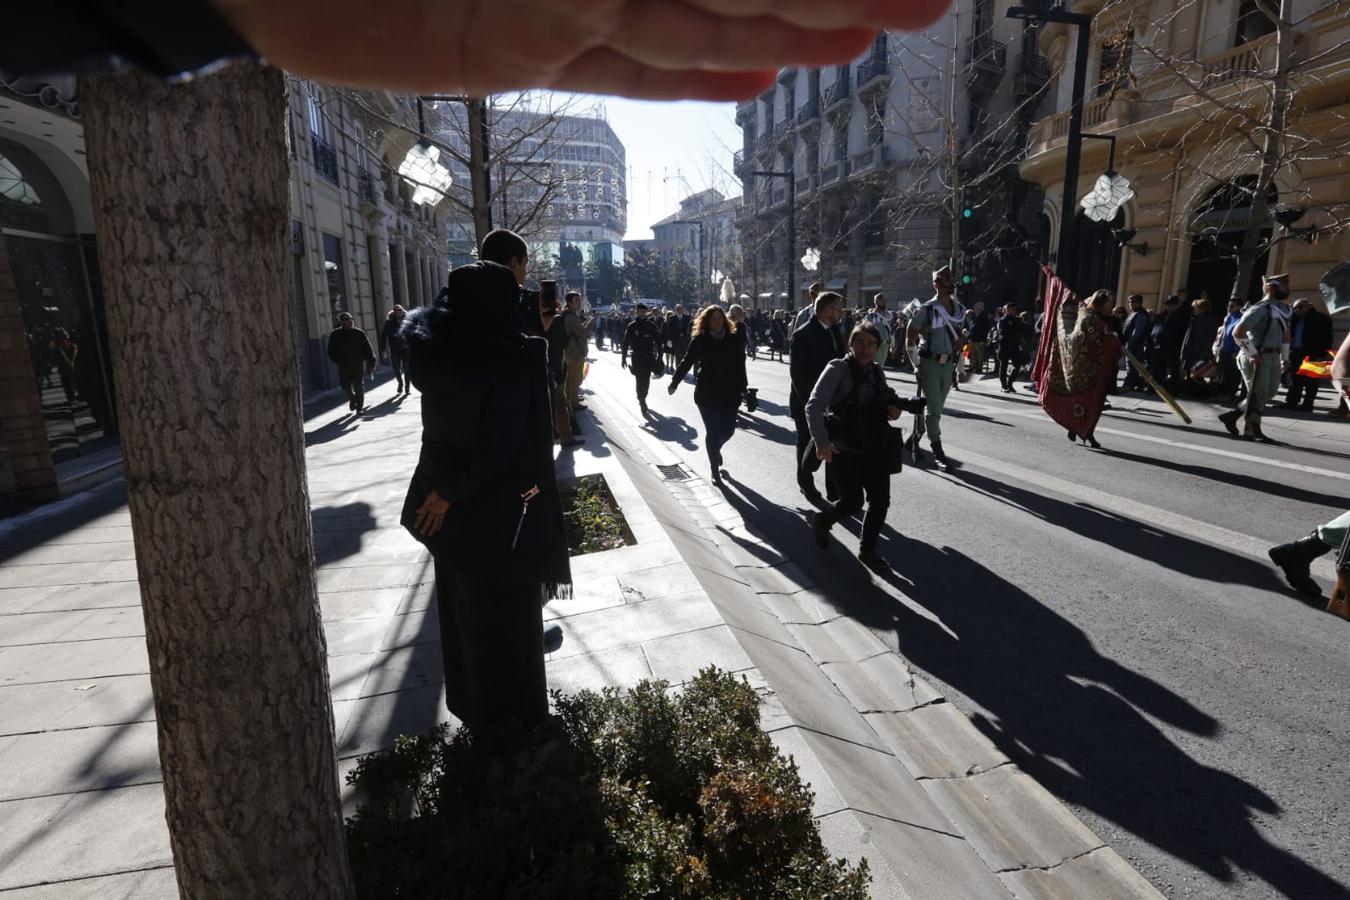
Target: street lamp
(1066,263)
(792,230)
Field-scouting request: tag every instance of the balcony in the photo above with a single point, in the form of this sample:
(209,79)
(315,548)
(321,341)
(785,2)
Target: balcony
(365,189)
(835,173)
(1111,112)
(809,115)
(1235,64)
(325,159)
(873,74)
(807,184)
(838,96)
(783,134)
(987,58)
(871,160)
(1033,73)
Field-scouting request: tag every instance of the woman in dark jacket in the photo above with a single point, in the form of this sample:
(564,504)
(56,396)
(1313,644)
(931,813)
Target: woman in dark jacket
(395,347)
(719,350)
(484,498)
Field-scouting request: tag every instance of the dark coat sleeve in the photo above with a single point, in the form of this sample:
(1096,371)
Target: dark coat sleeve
(691,356)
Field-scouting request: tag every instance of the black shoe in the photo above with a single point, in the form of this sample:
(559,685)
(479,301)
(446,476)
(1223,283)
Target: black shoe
(941,459)
(1260,436)
(642,406)
(1229,420)
(1295,560)
(1072,437)
(553,637)
(716,477)
(820,531)
(873,560)
(351,404)
(1091,442)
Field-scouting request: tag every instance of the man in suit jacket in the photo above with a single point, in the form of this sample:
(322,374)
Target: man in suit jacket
(1310,338)
(813,346)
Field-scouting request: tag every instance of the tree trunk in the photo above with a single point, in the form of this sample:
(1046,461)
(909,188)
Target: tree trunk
(475,110)
(1272,150)
(191,202)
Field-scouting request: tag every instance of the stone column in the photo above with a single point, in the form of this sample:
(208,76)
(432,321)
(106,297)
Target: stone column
(23,429)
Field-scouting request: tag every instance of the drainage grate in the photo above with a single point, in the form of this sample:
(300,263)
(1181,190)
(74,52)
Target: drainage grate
(676,472)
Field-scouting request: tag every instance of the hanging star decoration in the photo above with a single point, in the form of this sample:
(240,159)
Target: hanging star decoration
(1108,195)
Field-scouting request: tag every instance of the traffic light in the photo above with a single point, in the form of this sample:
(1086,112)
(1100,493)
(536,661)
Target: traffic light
(967,213)
(967,279)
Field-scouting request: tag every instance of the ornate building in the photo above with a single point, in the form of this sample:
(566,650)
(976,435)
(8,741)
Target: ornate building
(1184,94)
(359,243)
(704,232)
(891,156)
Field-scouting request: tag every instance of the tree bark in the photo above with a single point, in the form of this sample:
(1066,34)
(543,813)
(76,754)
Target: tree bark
(1272,150)
(191,201)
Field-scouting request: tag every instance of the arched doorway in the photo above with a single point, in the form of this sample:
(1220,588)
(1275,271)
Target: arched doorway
(1098,254)
(55,272)
(1216,229)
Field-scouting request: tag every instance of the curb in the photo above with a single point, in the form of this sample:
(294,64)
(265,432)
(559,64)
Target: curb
(901,776)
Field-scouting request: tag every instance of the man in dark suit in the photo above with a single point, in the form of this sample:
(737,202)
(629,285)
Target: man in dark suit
(1310,338)
(813,346)
(1135,335)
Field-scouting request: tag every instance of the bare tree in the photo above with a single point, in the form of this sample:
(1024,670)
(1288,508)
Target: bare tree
(190,195)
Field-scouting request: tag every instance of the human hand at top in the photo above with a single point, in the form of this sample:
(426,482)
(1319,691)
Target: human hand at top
(650,49)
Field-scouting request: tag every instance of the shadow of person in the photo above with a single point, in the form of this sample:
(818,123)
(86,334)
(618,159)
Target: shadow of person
(760,425)
(672,428)
(1077,721)
(1237,479)
(332,431)
(338,530)
(1126,535)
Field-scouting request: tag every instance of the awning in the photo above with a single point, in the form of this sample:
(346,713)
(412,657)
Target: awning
(837,284)
(768,295)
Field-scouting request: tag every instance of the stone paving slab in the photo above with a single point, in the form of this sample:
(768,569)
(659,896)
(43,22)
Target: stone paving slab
(680,657)
(80,835)
(1011,820)
(72,625)
(150,884)
(37,663)
(1100,875)
(53,705)
(69,597)
(937,741)
(80,759)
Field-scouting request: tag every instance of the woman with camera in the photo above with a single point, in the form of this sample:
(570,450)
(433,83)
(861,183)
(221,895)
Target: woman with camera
(718,348)
(847,414)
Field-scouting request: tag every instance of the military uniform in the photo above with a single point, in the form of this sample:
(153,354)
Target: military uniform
(1259,361)
(941,335)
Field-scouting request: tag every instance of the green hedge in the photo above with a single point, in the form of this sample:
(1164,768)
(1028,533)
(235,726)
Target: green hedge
(649,793)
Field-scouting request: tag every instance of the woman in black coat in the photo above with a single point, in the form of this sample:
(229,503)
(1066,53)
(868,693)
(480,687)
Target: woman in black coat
(719,350)
(484,498)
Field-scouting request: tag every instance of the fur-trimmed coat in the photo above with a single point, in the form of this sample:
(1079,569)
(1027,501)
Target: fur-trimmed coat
(487,442)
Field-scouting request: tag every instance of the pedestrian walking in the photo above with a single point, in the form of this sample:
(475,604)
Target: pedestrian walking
(809,310)
(1135,334)
(980,327)
(1259,334)
(394,348)
(575,350)
(642,341)
(484,498)
(718,347)
(1010,340)
(937,327)
(600,326)
(553,331)
(1310,338)
(848,411)
(878,316)
(349,349)
(813,346)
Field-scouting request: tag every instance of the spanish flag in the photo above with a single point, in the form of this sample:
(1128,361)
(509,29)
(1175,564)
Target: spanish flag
(1316,368)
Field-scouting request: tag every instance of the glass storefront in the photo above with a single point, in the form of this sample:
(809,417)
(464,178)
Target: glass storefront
(56,276)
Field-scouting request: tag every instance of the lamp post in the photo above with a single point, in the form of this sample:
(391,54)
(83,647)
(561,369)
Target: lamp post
(792,230)
(1066,263)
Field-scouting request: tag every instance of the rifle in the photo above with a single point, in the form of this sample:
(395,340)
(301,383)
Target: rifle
(1153,383)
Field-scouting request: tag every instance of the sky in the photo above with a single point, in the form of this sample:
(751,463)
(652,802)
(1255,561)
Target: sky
(674,150)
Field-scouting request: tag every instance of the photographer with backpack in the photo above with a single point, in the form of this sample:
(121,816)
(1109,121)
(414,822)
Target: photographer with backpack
(848,414)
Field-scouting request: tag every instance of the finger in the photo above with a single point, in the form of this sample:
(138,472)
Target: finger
(603,70)
(905,14)
(673,35)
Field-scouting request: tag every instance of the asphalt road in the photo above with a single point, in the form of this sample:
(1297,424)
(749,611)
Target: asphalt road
(1108,618)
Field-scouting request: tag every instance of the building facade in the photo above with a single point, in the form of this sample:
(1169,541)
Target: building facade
(557,179)
(359,245)
(1184,92)
(705,234)
(883,156)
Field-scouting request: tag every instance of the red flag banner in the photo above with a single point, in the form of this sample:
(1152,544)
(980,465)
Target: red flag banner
(1077,360)
(1316,368)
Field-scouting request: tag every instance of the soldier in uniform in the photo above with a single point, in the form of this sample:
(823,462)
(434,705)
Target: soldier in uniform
(1259,334)
(642,339)
(938,326)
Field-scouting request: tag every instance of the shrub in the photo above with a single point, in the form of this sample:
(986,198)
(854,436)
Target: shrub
(651,793)
(592,521)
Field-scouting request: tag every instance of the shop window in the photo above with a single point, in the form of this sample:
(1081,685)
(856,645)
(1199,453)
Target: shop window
(334,270)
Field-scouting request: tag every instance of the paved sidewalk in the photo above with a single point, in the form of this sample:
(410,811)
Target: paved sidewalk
(900,776)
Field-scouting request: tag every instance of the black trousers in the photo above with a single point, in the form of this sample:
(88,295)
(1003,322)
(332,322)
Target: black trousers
(643,376)
(352,379)
(398,361)
(807,466)
(492,647)
(861,477)
(1008,364)
(1302,389)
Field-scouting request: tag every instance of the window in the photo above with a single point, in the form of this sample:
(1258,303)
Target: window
(1117,54)
(1253,22)
(318,122)
(337,279)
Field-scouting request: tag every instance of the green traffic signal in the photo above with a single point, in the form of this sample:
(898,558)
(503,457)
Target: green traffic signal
(967,279)
(967,213)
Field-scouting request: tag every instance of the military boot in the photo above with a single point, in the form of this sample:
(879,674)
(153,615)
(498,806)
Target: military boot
(1230,420)
(940,458)
(1295,560)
